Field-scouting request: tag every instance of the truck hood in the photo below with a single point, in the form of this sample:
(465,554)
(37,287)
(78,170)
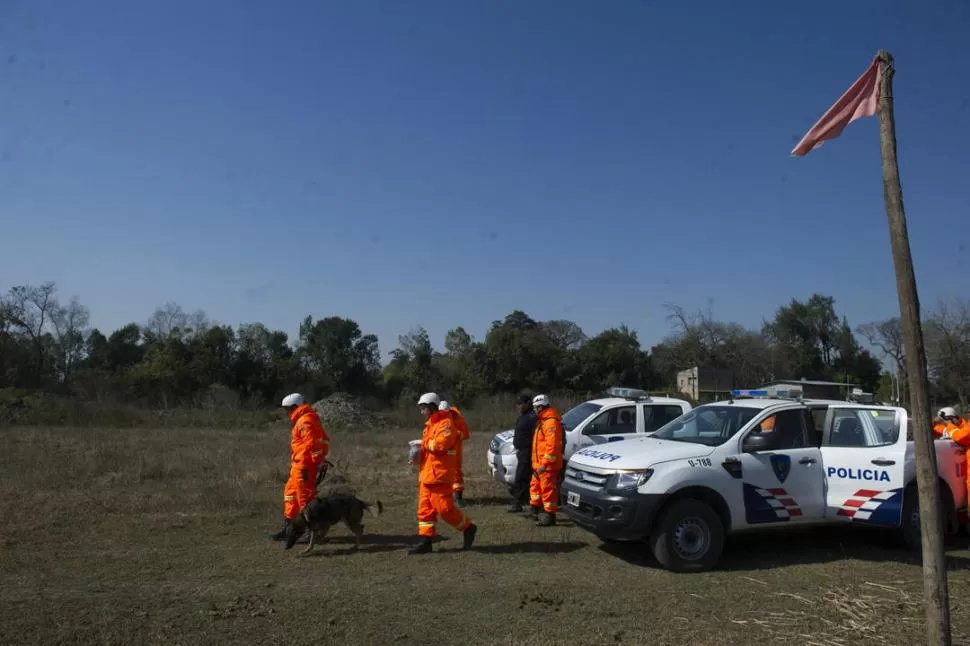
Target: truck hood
(638,453)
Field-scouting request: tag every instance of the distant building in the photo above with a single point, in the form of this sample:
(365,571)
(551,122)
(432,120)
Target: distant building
(705,384)
(810,389)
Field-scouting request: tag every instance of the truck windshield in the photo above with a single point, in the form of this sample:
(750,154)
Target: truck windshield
(711,425)
(575,416)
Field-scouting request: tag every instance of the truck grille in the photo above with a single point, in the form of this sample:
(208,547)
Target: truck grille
(586,479)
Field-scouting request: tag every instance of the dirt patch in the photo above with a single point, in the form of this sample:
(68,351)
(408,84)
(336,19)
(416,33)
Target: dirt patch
(341,410)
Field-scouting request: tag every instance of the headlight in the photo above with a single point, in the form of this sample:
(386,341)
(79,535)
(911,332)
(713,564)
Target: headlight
(507,448)
(630,480)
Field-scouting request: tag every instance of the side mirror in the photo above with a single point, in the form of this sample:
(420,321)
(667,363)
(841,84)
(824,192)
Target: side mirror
(755,442)
(592,429)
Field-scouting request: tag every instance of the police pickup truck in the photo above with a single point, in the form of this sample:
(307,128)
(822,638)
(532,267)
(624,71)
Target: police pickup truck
(623,413)
(756,462)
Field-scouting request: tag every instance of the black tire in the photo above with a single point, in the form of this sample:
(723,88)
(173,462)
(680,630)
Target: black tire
(908,535)
(689,537)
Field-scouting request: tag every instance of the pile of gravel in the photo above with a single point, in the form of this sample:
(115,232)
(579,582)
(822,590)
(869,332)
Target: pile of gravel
(345,411)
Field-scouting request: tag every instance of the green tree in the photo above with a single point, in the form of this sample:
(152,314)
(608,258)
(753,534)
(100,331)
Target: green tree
(520,354)
(611,358)
(338,357)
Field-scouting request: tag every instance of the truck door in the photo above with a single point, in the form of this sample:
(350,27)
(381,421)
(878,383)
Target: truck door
(611,425)
(864,457)
(784,484)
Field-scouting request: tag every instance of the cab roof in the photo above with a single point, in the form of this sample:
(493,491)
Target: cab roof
(768,402)
(750,402)
(614,401)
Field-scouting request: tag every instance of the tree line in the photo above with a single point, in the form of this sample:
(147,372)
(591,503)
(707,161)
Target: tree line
(177,358)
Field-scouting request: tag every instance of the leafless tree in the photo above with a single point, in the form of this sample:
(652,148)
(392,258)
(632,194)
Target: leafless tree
(947,334)
(887,337)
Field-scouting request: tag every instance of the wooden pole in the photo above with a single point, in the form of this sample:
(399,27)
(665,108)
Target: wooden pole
(931,522)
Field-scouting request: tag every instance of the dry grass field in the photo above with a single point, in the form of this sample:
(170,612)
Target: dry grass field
(160,537)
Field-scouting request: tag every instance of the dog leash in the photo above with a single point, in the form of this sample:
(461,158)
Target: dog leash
(322,472)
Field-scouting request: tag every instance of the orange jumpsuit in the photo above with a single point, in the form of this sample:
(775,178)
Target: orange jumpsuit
(438,469)
(960,433)
(309,445)
(546,452)
(463,433)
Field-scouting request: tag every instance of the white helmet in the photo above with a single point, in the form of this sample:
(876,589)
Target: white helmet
(947,411)
(293,399)
(429,399)
(444,405)
(540,400)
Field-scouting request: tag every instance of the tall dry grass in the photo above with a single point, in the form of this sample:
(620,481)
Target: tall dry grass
(488,414)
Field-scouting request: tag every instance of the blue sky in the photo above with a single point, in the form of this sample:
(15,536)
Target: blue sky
(443,163)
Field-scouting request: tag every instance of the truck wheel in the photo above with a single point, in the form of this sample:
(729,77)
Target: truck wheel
(689,537)
(908,535)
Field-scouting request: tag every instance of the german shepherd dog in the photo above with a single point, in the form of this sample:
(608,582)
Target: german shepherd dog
(323,512)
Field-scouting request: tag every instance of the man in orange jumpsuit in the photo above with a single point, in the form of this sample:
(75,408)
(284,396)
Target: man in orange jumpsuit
(463,433)
(547,448)
(437,461)
(309,445)
(947,421)
(958,430)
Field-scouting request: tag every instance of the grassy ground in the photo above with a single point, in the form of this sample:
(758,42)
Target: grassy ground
(127,537)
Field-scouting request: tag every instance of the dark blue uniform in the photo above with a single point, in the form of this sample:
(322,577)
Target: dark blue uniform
(522,441)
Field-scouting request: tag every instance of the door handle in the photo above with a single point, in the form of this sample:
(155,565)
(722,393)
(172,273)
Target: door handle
(807,461)
(883,462)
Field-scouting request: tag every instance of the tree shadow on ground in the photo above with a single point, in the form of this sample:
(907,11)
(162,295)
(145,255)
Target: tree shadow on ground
(529,547)
(369,544)
(561,520)
(481,501)
(803,546)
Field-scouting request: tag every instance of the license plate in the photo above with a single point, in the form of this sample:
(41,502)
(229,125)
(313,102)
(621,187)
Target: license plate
(572,498)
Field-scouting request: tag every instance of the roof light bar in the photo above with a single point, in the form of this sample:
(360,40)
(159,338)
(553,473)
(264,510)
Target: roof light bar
(627,393)
(749,393)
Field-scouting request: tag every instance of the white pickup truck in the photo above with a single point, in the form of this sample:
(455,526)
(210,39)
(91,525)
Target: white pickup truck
(624,413)
(756,462)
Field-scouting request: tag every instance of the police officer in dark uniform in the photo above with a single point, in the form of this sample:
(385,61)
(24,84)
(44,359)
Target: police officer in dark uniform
(522,442)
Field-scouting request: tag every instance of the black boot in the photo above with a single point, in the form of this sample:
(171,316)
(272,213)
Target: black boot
(281,535)
(533,513)
(546,520)
(515,507)
(468,536)
(423,546)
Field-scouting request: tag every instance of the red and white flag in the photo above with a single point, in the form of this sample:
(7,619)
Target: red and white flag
(860,100)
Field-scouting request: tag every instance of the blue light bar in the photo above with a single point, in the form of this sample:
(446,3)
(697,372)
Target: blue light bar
(626,393)
(749,393)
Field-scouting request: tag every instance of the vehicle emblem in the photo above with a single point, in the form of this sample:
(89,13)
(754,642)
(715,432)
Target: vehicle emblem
(781,465)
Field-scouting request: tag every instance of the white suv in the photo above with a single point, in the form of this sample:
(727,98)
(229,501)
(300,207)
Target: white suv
(625,413)
(759,462)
